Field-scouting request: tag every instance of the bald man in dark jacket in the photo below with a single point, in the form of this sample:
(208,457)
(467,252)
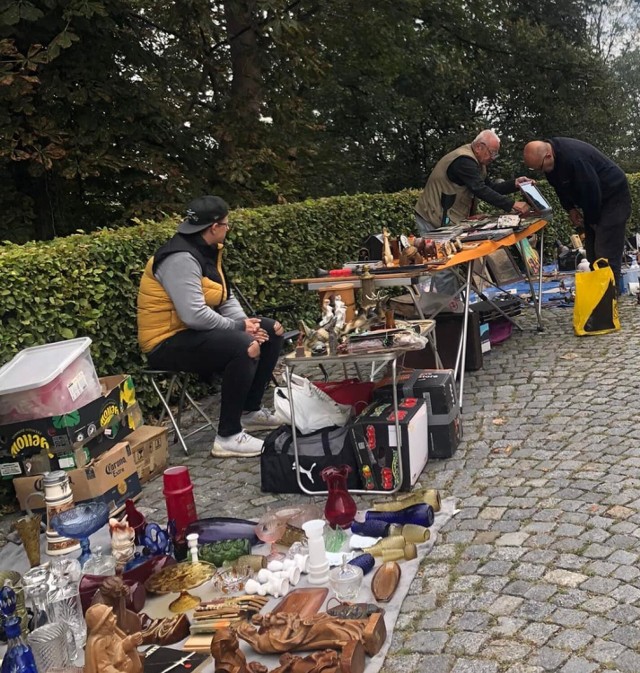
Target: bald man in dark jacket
(592,189)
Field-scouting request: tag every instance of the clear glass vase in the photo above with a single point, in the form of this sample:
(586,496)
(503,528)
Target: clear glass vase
(64,605)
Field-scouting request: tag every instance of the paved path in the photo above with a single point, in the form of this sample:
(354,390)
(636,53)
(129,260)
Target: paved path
(538,571)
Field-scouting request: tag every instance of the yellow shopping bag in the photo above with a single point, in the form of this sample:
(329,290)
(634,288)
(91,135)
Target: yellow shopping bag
(596,308)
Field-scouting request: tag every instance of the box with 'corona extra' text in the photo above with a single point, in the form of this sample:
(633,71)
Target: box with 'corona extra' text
(111,478)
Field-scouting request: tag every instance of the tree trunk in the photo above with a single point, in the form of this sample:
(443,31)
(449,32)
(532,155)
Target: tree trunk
(246,83)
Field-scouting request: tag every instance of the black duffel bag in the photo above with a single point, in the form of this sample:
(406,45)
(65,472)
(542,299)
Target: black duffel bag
(317,450)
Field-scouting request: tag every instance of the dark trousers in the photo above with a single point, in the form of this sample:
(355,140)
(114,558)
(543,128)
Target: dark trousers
(221,351)
(606,238)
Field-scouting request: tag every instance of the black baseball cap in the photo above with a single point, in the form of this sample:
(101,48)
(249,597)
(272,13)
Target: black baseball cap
(202,213)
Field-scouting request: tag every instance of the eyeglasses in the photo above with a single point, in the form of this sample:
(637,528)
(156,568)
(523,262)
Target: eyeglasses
(541,167)
(493,154)
(222,224)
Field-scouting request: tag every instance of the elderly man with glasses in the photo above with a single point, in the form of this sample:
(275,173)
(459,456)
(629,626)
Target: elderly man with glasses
(455,183)
(188,321)
(591,188)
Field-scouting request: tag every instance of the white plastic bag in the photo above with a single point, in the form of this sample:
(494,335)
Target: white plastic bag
(313,408)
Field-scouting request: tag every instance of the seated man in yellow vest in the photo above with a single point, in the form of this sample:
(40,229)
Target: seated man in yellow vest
(189,321)
(456,181)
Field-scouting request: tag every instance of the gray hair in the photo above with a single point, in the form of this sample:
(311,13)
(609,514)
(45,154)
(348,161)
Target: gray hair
(485,136)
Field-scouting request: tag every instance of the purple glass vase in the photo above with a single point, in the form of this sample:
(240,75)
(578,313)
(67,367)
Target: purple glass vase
(371,528)
(422,515)
(365,562)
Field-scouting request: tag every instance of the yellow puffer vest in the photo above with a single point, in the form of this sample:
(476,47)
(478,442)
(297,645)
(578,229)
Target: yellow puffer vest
(157,318)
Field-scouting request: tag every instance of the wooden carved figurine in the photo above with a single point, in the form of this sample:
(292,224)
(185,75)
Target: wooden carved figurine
(229,658)
(114,593)
(287,632)
(108,649)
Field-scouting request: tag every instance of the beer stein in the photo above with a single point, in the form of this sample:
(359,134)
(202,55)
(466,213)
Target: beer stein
(55,488)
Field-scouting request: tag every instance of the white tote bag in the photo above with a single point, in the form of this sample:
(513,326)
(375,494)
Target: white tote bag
(314,409)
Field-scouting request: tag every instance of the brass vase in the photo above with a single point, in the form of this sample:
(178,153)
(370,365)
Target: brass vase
(391,542)
(29,531)
(426,497)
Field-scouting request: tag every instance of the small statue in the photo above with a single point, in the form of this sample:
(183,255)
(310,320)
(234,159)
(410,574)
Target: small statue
(327,313)
(108,649)
(123,544)
(340,312)
(288,632)
(228,658)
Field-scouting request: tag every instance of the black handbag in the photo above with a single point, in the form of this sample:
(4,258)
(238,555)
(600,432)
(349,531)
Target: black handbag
(317,450)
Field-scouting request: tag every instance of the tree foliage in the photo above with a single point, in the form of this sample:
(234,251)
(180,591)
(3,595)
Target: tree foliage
(113,109)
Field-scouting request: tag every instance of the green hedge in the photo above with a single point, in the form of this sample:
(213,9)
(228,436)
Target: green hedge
(87,284)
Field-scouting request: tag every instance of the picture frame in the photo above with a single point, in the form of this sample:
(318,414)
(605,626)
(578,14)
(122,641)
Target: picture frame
(503,268)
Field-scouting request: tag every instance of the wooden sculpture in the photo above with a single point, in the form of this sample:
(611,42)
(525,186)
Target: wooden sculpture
(228,658)
(114,592)
(287,632)
(108,649)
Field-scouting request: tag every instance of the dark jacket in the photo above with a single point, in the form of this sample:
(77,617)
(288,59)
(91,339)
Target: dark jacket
(583,177)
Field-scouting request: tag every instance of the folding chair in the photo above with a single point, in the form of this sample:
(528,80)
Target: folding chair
(178,381)
(268,311)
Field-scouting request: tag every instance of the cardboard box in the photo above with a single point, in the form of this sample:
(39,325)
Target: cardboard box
(376,446)
(34,447)
(150,448)
(438,388)
(111,478)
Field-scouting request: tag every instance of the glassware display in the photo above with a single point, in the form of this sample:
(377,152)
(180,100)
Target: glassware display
(64,604)
(98,564)
(340,508)
(222,528)
(80,522)
(136,520)
(39,606)
(345,580)
(224,551)
(270,528)
(13,579)
(49,646)
(28,528)
(365,562)
(18,657)
(157,541)
(421,515)
(231,579)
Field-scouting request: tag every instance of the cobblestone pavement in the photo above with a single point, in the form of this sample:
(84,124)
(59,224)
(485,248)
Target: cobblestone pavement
(538,571)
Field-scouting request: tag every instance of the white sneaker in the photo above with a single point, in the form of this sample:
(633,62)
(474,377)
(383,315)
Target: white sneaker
(262,419)
(241,445)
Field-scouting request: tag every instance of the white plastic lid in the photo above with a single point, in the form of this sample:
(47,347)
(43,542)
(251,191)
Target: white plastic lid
(36,366)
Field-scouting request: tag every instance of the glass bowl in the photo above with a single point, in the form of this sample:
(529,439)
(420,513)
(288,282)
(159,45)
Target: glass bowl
(345,580)
(231,579)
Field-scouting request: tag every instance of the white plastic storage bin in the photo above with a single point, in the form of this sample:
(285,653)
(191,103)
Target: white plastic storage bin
(48,380)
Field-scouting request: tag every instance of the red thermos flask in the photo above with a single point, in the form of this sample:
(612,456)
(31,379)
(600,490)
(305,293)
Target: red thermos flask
(178,494)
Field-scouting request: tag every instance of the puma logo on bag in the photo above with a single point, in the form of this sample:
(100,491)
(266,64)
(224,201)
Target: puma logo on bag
(307,472)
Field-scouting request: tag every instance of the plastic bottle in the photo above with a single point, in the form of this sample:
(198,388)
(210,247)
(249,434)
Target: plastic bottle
(584,265)
(633,274)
